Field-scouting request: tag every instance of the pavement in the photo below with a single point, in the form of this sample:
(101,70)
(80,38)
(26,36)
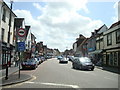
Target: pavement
(13,76)
(108,68)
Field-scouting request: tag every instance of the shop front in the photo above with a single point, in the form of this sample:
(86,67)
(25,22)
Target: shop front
(7,51)
(111,57)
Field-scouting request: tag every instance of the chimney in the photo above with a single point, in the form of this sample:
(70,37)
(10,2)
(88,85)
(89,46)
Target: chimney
(92,33)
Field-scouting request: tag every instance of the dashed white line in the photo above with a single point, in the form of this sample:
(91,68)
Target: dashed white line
(54,84)
(110,78)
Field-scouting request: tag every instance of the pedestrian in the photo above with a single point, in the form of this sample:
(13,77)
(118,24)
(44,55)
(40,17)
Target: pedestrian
(16,61)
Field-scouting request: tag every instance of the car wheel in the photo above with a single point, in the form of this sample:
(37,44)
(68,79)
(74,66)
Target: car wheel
(80,67)
(92,69)
(73,67)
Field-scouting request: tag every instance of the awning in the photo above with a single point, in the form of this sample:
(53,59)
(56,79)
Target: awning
(95,52)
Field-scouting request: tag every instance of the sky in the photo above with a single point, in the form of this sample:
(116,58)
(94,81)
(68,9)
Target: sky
(59,23)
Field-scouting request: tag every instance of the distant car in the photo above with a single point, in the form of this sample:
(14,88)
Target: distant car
(49,57)
(59,57)
(77,55)
(42,59)
(71,58)
(83,63)
(63,60)
(29,64)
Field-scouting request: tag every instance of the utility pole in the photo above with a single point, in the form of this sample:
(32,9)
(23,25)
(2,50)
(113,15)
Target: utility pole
(8,39)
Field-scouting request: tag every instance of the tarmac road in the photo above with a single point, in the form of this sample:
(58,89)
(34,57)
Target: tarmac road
(51,74)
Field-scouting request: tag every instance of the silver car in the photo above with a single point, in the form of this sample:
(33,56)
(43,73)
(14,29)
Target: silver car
(83,63)
(63,60)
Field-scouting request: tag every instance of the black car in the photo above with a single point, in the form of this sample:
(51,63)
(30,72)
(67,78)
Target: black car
(29,64)
(83,63)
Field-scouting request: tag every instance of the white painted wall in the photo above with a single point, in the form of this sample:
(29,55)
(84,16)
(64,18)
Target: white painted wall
(28,39)
(5,25)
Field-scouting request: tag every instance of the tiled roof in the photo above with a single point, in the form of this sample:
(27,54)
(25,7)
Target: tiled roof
(84,41)
(114,24)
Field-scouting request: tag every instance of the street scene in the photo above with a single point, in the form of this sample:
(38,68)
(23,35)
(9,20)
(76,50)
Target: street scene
(59,44)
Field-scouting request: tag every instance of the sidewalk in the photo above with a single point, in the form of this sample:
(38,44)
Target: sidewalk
(11,70)
(13,79)
(110,69)
(13,76)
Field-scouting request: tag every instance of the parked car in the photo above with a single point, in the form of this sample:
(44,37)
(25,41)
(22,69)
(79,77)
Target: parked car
(48,57)
(71,58)
(63,60)
(38,60)
(42,59)
(83,63)
(77,55)
(29,64)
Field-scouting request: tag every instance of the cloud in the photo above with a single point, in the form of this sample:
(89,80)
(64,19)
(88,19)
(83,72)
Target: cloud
(59,24)
(37,6)
(117,8)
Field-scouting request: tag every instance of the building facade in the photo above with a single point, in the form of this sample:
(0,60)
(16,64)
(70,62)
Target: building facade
(91,46)
(111,56)
(7,33)
(100,44)
(76,45)
(33,44)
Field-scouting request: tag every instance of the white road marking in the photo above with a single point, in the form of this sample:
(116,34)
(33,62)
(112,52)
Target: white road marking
(110,78)
(18,84)
(89,73)
(54,84)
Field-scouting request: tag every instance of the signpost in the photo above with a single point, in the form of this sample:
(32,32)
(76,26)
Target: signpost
(21,34)
(21,46)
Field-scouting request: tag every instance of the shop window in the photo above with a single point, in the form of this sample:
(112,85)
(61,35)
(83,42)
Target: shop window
(118,59)
(107,59)
(104,59)
(111,59)
(115,59)
(118,36)
(4,58)
(109,39)
(4,15)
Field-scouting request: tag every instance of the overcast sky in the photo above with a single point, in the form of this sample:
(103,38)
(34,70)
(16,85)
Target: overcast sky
(58,24)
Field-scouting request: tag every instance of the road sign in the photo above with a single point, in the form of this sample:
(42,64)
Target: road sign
(21,46)
(21,32)
(21,39)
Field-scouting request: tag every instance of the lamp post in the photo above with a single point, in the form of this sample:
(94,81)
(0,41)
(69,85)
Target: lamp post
(66,52)
(8,40)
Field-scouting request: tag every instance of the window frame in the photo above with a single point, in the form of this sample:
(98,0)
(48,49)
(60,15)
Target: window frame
(2,36)
(4,15)
(117,33)
(109,43)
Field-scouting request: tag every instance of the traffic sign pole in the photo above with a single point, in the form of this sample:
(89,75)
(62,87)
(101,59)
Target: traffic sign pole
(21,33)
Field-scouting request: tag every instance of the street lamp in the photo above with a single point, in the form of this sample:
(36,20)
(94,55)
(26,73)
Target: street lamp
(8,40)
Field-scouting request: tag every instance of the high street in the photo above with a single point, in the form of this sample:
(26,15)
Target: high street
(51,74)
